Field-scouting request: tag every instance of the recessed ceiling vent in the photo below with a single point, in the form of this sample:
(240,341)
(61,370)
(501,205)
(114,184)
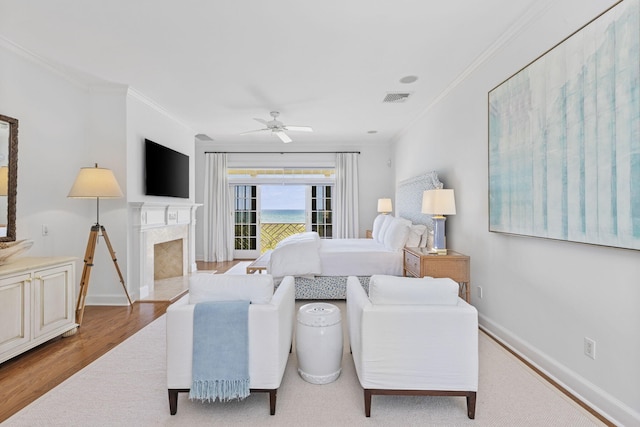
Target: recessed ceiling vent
(396,97)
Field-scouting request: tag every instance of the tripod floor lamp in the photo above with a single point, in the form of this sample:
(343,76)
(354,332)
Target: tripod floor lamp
(95,183)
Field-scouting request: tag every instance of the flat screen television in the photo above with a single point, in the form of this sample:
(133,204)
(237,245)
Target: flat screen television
(166,171)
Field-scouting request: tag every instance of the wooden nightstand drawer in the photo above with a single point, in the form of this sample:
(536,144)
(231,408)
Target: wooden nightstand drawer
(411,264)
(453,268)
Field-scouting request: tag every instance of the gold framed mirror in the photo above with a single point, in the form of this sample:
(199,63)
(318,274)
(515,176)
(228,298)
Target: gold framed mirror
(8,177)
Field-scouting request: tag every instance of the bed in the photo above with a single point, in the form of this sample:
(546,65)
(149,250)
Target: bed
(321,266)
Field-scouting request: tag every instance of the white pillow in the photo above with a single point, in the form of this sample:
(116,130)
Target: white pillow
(397,233)
(377,225)
(388,219)
(415,235)
(425,238)
(257,288)
(394,290)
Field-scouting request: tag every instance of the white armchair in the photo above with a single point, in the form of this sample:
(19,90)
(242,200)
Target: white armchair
(413,337)
(271,322)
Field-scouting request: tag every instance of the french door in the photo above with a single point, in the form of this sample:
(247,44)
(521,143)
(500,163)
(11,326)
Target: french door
(248,239)
(246,221)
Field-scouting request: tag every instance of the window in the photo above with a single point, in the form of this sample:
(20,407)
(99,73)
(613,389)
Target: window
(272,204)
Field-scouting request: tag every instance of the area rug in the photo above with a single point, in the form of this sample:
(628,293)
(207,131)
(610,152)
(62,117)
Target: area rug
(127,386)
(239,268)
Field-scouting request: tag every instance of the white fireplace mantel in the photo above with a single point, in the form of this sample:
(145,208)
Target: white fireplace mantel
(153,223)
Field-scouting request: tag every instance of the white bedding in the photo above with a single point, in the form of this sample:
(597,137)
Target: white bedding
(358,257)
(306,255)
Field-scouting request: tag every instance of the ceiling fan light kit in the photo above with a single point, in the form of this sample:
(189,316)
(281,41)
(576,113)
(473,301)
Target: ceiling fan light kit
(278,128)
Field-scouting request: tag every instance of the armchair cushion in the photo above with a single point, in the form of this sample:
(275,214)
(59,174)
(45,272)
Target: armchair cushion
(229,287)
(412,291)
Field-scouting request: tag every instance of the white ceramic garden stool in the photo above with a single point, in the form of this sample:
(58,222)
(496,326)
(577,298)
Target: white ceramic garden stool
(319,342)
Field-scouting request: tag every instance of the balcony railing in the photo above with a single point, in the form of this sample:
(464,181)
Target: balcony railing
(272,233)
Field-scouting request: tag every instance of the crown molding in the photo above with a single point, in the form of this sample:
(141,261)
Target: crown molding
(536,10)
(134,93)
(44,63)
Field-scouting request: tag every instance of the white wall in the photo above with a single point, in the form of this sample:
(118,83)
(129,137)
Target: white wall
(53,114)
(374,166)
(66,123)
(541,297)
(147,120)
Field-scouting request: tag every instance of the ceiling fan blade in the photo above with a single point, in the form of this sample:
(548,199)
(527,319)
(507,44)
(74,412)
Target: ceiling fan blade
(300,128)
(283,136)
(253,131)
(264,122)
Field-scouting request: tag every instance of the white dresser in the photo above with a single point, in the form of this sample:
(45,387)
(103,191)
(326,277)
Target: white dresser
(37,298)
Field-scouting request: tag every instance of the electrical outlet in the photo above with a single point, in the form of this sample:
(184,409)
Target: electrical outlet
(589,347)
(479,289)
(45,230)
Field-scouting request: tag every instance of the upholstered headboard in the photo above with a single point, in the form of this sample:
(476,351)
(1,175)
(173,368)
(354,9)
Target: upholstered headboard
(409,197)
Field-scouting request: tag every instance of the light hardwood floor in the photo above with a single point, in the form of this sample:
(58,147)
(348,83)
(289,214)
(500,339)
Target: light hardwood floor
(25,378)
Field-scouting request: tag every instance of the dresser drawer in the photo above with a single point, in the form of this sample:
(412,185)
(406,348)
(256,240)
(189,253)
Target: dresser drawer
(411,264)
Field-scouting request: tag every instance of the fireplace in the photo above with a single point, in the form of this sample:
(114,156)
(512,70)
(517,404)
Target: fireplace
(168,259)
(163,243)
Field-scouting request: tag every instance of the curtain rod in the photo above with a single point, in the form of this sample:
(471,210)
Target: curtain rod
(281,152)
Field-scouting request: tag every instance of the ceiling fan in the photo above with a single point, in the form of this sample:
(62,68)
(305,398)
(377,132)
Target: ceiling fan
(278,128)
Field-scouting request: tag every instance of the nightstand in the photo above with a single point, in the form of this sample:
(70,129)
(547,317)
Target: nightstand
(418,262)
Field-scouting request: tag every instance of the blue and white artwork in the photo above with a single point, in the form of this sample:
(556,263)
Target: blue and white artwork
(564,138)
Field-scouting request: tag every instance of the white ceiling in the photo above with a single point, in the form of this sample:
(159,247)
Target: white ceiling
(215,65)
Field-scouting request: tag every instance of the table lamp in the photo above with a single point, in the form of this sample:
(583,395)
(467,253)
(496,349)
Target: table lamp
(439,202)
(384,206)
(4,180)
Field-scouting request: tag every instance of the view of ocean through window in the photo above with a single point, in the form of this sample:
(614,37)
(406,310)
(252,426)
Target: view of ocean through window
(283,204)
(282,216)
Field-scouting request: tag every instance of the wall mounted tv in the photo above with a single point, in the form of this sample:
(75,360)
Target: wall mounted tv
(166,171)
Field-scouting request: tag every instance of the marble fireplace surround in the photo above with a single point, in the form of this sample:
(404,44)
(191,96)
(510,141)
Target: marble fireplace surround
(155,223)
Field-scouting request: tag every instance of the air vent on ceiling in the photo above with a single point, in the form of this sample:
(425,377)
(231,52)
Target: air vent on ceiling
(203,137)
(396,97)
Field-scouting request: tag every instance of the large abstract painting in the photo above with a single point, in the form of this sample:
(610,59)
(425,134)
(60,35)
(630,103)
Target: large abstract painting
(564,138)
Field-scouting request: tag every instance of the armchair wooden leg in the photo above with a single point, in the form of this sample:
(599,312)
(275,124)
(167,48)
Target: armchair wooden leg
(471,405)
(173,399)
(272,401)
(367,402)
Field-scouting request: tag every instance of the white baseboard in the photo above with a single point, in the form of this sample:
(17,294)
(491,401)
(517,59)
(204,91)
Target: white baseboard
(144,291)
(599,400)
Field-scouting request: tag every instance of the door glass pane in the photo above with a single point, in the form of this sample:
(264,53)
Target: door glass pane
(321,211)
(245,217)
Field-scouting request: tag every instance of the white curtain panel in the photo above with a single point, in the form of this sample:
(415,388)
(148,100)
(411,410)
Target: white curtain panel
(218,211)
(346,196)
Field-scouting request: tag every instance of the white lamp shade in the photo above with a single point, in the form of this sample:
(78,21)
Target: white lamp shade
(384,205)
(4,180)
(439,202)
(95,182)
